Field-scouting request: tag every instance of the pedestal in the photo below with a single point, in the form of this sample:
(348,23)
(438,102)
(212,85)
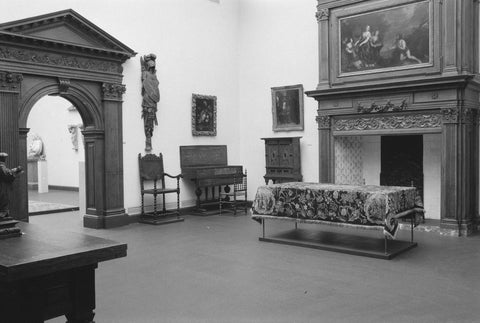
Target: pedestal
(8,228)
(42,167)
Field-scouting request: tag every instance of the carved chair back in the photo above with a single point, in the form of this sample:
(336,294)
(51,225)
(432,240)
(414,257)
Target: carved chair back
(151,169)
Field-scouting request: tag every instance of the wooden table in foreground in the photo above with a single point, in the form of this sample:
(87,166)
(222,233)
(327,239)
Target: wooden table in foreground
(47,273)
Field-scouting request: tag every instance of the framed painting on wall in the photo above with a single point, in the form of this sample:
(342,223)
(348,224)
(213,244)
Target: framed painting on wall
(204,115)
(287,107)
(376,37)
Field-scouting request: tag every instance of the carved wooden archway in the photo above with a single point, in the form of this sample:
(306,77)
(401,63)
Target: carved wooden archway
(64,54)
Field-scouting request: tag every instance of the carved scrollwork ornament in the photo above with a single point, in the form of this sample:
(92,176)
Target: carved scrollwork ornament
(113,91)
(42,57)
(63,85)
(415,121)
(387,107)
(10,81)
(450,115)
(324,122)
(322,14)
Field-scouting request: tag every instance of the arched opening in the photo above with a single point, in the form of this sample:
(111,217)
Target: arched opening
(55,157)
(86,71)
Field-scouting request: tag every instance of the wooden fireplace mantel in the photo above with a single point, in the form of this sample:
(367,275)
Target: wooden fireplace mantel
(367,95)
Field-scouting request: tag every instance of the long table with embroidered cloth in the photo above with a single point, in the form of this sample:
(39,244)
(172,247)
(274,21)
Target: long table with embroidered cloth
(360,206)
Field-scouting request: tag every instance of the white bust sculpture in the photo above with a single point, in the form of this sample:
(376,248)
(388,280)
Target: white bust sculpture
(35,149)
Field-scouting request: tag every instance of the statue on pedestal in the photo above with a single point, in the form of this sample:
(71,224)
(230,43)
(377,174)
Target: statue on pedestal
(36,149)
(151,96)
(7,176)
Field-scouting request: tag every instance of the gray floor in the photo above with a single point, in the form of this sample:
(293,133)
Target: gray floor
(214,269)
(55,196)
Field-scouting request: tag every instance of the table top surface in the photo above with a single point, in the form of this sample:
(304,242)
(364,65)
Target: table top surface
(41,250)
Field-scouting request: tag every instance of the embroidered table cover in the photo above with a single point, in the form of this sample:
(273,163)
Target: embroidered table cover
(367,205)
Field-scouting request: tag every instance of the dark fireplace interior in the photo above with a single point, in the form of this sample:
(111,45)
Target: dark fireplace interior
(402,161)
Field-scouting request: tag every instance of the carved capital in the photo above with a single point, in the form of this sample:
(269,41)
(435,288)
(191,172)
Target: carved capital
(324,122)
(113,91)
(63,85)
(322,14)
(450,115)
(468,116)
(10,81)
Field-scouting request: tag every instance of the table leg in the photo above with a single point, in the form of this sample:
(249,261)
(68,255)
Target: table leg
(86,317)
(263,228)
(412,221)
(83,296)
(198,193)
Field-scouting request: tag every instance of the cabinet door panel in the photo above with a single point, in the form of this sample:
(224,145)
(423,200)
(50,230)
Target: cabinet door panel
(272,154)
(286,155)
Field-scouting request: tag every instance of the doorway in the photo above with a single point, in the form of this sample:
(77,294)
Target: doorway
(55,154)
(63,54)
(402,161)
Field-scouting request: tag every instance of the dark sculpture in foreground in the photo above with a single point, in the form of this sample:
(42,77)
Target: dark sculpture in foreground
(151,96)
(7,176)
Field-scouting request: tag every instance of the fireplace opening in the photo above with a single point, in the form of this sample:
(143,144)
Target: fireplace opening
(402,161)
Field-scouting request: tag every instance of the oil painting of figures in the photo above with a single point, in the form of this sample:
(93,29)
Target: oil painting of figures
(388,38)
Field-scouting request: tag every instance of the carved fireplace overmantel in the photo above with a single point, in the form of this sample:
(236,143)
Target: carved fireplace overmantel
(404,67)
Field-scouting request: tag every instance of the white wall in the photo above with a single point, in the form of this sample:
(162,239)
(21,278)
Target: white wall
(278,47)
(49,118)
(202,48)
(234,49)
(196,43)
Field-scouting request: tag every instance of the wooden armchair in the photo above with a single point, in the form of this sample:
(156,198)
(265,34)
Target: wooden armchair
(237,197)
(152,182)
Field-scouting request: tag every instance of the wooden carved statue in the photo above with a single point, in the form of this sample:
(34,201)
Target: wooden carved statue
(151,96)
(7,176)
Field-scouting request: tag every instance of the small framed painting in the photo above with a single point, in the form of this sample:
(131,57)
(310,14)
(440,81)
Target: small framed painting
(287,108)
(204,115)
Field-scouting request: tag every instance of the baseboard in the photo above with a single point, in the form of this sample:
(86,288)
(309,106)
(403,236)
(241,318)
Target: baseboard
(63,188)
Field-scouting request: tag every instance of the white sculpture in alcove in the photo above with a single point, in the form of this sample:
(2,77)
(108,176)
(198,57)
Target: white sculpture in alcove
(74,134)
(36,148)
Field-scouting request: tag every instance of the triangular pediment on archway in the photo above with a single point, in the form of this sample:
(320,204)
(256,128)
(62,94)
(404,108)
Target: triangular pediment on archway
(66,27)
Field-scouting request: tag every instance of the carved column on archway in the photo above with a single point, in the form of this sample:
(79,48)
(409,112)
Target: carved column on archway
(112,108)
(23,180)
(325,147)
(94,178)
(10,86)
(459,187)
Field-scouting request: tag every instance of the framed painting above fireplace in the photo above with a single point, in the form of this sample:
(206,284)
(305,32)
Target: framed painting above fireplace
(379,39)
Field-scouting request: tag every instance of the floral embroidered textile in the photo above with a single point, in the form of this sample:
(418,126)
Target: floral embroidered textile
(353,204)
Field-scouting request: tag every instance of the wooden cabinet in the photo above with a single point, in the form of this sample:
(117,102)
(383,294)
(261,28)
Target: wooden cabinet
(282,157)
